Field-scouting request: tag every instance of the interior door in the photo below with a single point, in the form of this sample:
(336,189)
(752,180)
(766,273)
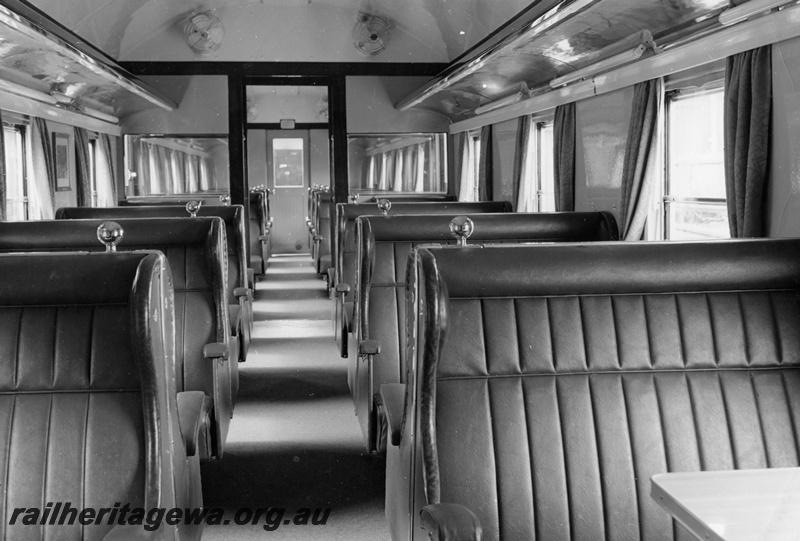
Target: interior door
(288,174)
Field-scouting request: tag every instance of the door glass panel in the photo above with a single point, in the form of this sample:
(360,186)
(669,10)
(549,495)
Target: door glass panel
(287,155)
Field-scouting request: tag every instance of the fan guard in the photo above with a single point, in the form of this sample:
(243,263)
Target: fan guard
(204,32)
(371,34)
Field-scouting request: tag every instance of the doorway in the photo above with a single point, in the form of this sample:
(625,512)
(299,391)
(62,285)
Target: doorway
(288,151)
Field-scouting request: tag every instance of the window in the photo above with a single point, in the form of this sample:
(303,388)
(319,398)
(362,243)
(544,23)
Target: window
(16,189)
(287,155)
(93,170)
(694,195)
(537,193)
(470,167)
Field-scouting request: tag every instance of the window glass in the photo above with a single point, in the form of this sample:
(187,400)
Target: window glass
(547,191)
(694,202)
(16,201)
(537,193)
(403,162)
(287,155)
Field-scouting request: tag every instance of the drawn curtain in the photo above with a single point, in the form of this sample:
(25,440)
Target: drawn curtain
(486,164)
(641,153)
(83,168)
(105,168)
(3,201)
(523,190)
(42,180)
(564,134)
(459,163)
(748,104)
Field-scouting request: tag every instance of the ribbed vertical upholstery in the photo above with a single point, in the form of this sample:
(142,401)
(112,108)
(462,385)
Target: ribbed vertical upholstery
(346,214)
(259,250)
(77,422)
(235,246)
(384,244)
(552,411)
(195,251)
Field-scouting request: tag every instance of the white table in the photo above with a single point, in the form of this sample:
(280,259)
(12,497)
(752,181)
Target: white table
(733,505)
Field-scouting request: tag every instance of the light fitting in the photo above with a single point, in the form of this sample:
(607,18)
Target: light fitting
(748,9)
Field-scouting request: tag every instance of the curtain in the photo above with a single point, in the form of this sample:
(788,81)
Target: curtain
(748,104)
(522,180)
(371,180)
(3,201)
(41,181)
(105,168)
(383,179)
(466,188)
(485,176)
(641,151)
(459,164)
(419,172)
(564,134)
(84,168)
(205,173)
(409,169)
(397,185)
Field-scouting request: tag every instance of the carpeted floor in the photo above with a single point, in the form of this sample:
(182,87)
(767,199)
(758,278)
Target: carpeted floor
(294,442)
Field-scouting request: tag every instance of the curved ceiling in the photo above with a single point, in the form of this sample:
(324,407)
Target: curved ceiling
(283,30)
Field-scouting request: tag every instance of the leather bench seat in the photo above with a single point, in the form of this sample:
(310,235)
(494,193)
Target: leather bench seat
(406,197)
(90,413)
(345,272)
(239,284)
(383,246)
(259,231)
(196,253)
(323,235)
(549,384)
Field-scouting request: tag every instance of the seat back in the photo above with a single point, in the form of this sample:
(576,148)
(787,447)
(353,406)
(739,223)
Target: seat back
(553,381)
(408,197)
(324,228)
(89,411)
(195,249)
(346,214)
(259,250)
(384,243)
(232,216)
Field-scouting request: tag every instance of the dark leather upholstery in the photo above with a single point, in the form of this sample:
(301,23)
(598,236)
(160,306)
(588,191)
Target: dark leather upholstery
(553,381)
(384,243)
(195,250)
(406,197)
(345,273)
(89,411)
(232,215)
(323,233)
(259,232)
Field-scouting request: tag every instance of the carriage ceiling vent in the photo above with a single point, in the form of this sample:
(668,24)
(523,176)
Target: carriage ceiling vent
(203,32)
(371,33)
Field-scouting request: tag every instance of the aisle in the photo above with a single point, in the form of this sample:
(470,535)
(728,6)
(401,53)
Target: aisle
(294,442)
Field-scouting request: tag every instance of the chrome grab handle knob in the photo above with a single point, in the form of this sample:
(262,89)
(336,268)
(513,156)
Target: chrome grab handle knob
(225,199)
(461,227)
(354,197)
(110,234)
(192,207)
(384,205)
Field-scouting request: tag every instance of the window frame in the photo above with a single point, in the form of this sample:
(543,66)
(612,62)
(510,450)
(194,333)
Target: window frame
(21,134)
(667,199)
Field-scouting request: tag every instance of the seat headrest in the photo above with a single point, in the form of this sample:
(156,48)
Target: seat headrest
(82,234)
(544,227)
(226,212)
(352,210)
(619,268)
(51,279)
